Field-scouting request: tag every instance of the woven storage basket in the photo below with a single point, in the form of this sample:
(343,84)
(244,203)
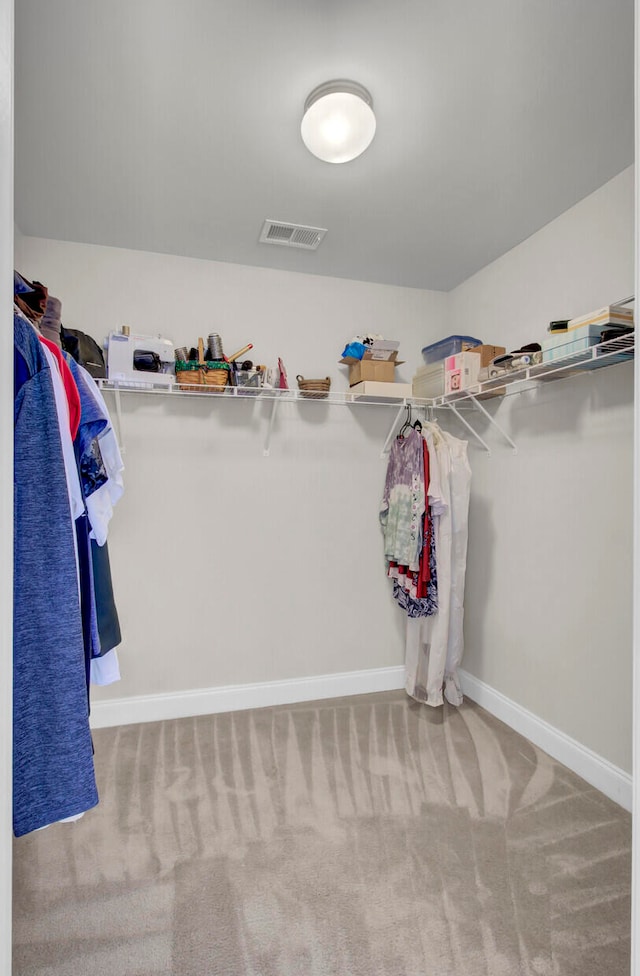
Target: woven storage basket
(314,388)
(188,375)
(215,376)
(202,376)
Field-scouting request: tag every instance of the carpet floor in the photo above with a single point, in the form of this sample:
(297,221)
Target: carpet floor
(365,836)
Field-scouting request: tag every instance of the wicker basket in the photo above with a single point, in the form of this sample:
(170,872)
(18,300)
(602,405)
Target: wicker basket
(188,375)
(316,389)
(202,376)
(215,377)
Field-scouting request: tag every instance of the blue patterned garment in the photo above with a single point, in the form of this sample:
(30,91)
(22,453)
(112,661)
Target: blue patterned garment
(53,775)
(90,464)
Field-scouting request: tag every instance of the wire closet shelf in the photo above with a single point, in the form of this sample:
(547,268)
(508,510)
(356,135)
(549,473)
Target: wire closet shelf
(585,361)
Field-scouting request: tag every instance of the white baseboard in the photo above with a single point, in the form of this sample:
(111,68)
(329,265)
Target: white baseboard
(231,698)
(598,772)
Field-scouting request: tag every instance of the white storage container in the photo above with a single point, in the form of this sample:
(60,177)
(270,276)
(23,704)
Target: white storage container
(429,381)
(609,315)
(573,340)
(461,372)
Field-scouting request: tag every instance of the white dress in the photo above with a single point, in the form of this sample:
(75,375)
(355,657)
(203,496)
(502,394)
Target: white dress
(434,645)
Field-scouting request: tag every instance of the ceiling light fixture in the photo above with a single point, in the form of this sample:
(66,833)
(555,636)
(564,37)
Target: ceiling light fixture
(338,122)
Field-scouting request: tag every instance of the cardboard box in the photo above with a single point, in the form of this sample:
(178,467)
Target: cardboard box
(377,364)
(499,391)
(380,371)
(382,349)
(382,391)
(487,353)
(461,372)
(609,315)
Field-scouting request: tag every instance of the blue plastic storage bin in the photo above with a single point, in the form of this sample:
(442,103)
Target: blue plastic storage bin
(450,346)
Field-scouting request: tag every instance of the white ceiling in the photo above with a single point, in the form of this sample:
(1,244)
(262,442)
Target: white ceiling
(174,126)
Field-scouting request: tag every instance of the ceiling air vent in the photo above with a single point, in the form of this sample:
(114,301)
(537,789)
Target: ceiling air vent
(291,235)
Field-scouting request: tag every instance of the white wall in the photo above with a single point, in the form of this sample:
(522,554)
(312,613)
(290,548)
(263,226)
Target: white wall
(230,567)
(549,586)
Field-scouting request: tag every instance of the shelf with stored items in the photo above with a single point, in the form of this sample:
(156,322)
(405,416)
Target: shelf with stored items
(584,362)
(609,353)
(581,362)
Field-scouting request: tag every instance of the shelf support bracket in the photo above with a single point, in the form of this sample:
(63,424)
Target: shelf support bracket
(396,419)
(116,394)
(267,440)
(470,428)
(494,423)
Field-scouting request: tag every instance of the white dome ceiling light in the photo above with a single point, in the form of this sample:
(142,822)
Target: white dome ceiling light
(338,122)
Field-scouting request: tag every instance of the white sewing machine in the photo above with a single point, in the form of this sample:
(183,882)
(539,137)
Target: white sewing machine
(140,360)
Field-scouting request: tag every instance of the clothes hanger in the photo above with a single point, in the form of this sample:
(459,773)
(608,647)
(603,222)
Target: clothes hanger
(430,422)
(407,422)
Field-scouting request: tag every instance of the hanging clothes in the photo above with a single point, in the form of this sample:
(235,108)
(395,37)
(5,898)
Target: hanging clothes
(460,495)
(53,773)
(100,464)
(70,388)
(403,501)
(63,398)
(417,606)
(107,489)
(66,626)
(74,488)
(108,621)
(50,324)
(417,592)
(434,628)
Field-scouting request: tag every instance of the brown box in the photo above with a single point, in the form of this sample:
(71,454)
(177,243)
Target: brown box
(496,391)
(379,356)
(487,353)
(381,371)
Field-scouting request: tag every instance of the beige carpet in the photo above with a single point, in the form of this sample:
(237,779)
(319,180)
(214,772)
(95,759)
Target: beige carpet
(362,837)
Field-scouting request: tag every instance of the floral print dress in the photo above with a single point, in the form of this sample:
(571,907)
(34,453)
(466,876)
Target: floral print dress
(403,502)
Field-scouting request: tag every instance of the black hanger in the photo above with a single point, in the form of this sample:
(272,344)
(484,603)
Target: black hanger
(418,426)
(407,422)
